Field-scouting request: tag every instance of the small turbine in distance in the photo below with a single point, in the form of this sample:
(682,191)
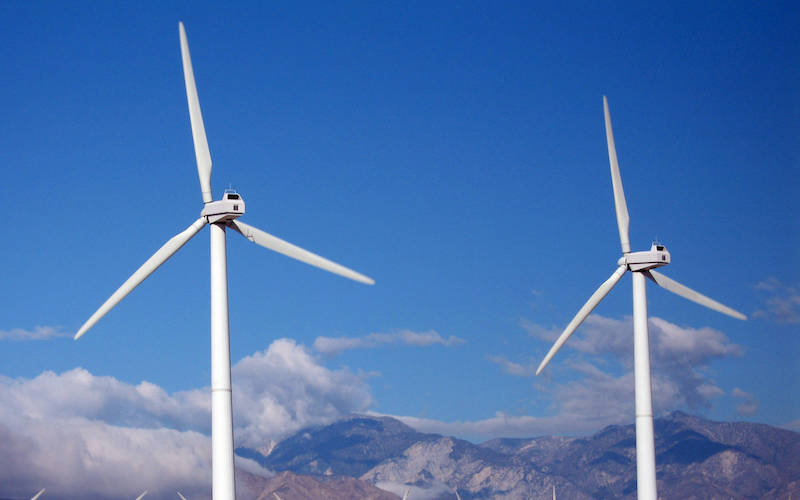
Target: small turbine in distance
(642,265)
(220,215)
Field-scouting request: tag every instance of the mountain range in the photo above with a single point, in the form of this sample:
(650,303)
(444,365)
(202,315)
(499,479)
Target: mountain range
(367,457)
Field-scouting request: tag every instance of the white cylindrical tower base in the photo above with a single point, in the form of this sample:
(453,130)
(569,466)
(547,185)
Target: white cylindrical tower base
(645,442)
(222,481)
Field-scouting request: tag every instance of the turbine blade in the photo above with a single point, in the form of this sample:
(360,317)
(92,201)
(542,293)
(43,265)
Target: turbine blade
(623,220)
(687,293)
(202,155)
(182,497)
(142,495)
(457,495)
(276,496)
(266,240)
(405,496)
(38,494)
(158,258)
(587,308)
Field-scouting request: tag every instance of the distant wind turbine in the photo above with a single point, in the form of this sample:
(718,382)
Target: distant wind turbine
(642,265)
(219,215)
(142,495)
(38,494)
(182,497)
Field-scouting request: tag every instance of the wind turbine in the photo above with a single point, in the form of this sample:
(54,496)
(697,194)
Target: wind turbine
(219,215)
(642,265)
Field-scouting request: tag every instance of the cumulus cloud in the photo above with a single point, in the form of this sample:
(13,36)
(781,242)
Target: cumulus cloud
(38,333)
(332,346)
(781,302)
(88,436)
(79,394)
(282,389)
(78,457)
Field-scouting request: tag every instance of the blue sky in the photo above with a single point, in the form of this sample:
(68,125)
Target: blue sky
(454,153)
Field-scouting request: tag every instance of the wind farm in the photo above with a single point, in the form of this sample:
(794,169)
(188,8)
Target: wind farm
(455,154)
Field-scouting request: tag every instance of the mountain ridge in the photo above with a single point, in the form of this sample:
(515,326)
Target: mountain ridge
(696,458)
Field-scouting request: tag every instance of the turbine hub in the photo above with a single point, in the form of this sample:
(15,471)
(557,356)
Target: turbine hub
(228,208)
(657,256)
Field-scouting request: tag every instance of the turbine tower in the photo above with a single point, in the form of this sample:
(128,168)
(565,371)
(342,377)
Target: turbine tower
(220,215)
(642,265)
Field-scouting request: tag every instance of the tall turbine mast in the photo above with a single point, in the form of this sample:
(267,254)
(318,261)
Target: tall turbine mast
(220,215)
(642,265)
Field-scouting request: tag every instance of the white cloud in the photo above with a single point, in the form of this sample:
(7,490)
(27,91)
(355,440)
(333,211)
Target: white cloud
(601,388)
(513,368)
(794,425)
(282,389)
(500,425)
(332,346)
(581,406)
(782,303)
(78,393)
(82,435)
(77,457)
(770,284)
(748,405)
(38,333)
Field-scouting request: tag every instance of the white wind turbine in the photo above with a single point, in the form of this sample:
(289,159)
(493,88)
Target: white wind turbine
(642,265)
(219,215)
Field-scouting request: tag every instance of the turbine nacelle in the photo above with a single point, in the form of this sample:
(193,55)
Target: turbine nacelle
(228,208)
(657,256)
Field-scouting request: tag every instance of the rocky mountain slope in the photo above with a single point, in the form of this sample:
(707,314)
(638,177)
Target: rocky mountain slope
(290,486)
(696,458)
